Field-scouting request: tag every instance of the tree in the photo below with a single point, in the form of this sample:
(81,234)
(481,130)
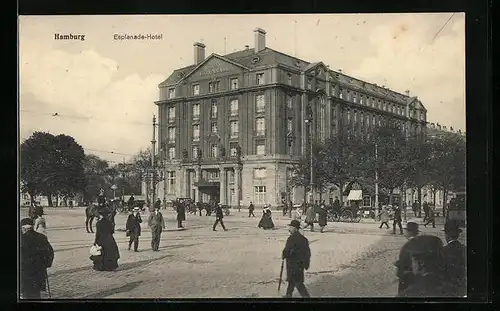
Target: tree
(51,165)
(391,161)
(96,173)
(301,171)
(447,161)
(419,171)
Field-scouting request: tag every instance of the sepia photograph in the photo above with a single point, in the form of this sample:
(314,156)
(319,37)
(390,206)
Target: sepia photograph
(242,156)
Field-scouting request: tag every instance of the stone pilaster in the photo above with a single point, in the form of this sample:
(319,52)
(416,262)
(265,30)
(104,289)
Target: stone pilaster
(237,184)
(223,186)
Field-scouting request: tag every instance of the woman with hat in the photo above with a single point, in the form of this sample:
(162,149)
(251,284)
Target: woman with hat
(40,224)
(322,217)
(108,260)
(266,222)
(455,254)
(133,228)
(384,217)
(36,255)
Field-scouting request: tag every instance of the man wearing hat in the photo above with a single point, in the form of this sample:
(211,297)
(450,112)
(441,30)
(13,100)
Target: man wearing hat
(397,220)
(298,257)
(36,256)
(427,265)
(455,254)
(133,228)
(218,217)
(157,224)
(404,263)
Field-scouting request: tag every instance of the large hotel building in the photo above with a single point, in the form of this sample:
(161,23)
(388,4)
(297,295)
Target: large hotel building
(231,126)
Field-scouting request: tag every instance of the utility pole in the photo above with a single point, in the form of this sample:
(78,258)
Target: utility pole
(311,162)
(153,166)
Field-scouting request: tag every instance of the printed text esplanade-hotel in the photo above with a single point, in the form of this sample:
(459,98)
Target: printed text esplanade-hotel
(255,101)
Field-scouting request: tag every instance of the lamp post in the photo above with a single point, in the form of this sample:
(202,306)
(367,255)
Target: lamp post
(311,166)
(376,180)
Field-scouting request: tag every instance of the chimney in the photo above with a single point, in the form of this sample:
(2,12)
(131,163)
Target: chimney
(460,132)
(340,70)
(199,52)
(407,92)
(247,47)
(260,39)
(444,128)
(451,128)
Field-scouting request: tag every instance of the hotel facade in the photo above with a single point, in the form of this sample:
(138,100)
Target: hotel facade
(231,126)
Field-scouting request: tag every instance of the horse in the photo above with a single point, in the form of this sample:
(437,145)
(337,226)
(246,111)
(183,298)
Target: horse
(92,211)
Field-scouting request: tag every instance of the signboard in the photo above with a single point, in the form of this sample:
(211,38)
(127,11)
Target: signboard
(114,187)
(212,68)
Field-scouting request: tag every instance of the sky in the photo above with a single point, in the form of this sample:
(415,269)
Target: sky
(103,90)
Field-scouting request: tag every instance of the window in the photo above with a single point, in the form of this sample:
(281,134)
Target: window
(213,151)
(171,93)
(171,134)
(289,79)
(260,78)
(341,94)
(260,126)
(213,86)
(289,102)
(171,113)
(385,106)
(214,110)
(355,116)
(260,195)
(196,132)
(309,83)
(289,126)
(348,117)
(379,105)
(234,83)
(171,182)
(213,175)
(194,154)
(260,147)
(214,127)
(259,173)
(233,149)
(260,103)
(171,153)
(234,129)
(373,119)
(234,107)
(362,120)
(334,112)
(361,100)
(196,111)
(349,95)
(354,99)
(196,89)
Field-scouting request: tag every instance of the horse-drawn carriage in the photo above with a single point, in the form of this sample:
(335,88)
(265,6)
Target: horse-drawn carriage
(342,214)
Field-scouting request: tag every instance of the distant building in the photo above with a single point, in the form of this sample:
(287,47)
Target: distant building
(255,101)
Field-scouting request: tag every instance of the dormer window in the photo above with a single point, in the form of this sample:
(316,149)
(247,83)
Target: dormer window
(196,89)
(171,93)
(234,83)
(260,78)
(309,83)
(289,79)
(213,86)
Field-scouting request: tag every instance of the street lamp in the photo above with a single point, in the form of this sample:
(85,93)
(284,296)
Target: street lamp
(311,166)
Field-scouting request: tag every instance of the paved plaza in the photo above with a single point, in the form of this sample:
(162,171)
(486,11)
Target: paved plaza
(348,260)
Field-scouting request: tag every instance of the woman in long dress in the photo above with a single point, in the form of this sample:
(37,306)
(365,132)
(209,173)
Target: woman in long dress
(322,217)
(266,222)
(40,224)
(310,217)
(384,217)
(108,260)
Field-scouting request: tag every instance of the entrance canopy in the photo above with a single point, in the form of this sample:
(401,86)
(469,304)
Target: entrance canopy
(206,184)
(355,195)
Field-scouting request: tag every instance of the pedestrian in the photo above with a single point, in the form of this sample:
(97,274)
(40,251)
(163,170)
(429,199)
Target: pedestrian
(251,208)
(131,202)
(455,255)
(157,204)
(266,222)
(310,217)
(200,207)
(157,223)
(426,268)
(181,213)
(133,228)
(397,220)
(384,218)
(429,218)
(403,264)
(322,219)
(298,257)
(296,215)
(290,207)
(285,207)
(426,211)
(414,207)
(108,260)
(40,224)
(36,255)
(218,217)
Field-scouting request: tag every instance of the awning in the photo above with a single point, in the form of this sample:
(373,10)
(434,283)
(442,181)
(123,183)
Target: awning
(355,195)
(205,184)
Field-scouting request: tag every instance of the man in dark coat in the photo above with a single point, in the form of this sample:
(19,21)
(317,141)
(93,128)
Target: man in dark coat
(157,224)
(157,204)
(36,256)
(425,206)
(427,266)
(298,257)
(218,217)
(181,213)
(322,217)
(251,208)
(397,221)
(131,202)
(403,265)
(455,255)
(133,228)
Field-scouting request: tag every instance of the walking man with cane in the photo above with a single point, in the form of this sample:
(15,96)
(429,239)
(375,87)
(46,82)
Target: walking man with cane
(298,257)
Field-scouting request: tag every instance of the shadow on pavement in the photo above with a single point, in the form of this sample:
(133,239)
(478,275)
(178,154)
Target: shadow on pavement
(122,289)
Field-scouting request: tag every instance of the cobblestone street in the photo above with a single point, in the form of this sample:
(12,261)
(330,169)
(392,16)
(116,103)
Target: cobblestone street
(348,260)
